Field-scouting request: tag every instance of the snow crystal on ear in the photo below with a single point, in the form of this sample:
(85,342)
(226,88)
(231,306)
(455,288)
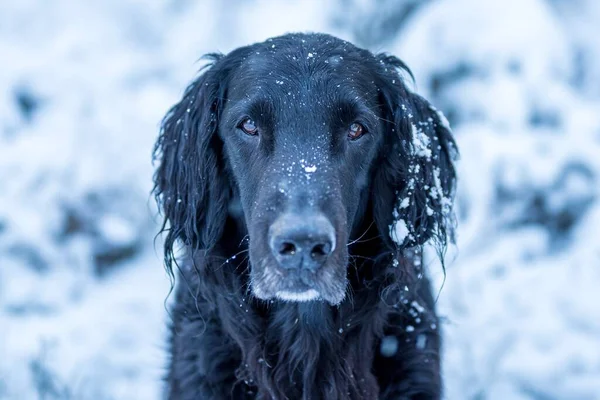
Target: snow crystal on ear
(420,142)
(399,231)
(437,192)
(421,342)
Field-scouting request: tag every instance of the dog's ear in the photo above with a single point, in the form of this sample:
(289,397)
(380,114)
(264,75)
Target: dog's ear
(415,180)
(189,185)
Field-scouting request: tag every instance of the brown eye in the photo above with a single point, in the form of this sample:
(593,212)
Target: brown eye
(249,127)
(355,131)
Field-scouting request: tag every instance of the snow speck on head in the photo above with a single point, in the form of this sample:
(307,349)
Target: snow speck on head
(310,169)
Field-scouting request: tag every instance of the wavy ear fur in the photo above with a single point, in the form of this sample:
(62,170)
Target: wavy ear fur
(415,181)
(189,186)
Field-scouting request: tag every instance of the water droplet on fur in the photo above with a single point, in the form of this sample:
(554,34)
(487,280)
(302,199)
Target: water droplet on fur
(421,342)
(389,346)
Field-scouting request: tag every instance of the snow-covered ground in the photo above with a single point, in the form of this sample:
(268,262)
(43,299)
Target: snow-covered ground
(83,86)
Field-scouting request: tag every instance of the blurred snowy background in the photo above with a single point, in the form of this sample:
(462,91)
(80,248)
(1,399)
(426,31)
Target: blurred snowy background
(83,86)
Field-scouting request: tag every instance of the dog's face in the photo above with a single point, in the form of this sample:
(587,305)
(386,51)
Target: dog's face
(305,132)
(301,128)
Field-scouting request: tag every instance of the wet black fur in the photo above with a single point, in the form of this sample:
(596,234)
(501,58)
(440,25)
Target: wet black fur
(226,344)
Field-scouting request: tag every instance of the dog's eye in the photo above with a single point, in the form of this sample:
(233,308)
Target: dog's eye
(355,131)
(249,127)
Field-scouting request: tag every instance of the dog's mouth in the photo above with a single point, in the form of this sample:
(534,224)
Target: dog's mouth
(270,284)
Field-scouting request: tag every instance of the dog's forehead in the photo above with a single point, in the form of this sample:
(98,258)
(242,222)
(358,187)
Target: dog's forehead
(297,67)
(307,49)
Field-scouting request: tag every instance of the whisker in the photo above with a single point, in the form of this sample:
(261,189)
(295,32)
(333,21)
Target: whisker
(361,236)
(233,257)
(243,239)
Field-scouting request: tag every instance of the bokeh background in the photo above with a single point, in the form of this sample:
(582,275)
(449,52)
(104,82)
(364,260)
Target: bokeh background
(83,86)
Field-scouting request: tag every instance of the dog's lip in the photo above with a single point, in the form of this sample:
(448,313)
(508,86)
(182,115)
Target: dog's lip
(303,295)
(293,284)
(297,288)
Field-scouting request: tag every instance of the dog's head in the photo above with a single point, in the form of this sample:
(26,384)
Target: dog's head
(295,138)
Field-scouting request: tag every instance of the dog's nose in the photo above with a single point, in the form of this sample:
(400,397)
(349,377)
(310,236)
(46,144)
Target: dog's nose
(301,241)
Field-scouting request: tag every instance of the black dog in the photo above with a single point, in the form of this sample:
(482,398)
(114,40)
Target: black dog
(301,177)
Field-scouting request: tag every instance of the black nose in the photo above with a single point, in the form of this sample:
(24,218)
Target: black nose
(301,241)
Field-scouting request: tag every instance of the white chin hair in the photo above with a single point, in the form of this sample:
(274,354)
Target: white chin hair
(310,294)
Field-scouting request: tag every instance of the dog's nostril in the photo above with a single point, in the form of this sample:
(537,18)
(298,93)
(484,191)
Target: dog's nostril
(320,250)
(287,249)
